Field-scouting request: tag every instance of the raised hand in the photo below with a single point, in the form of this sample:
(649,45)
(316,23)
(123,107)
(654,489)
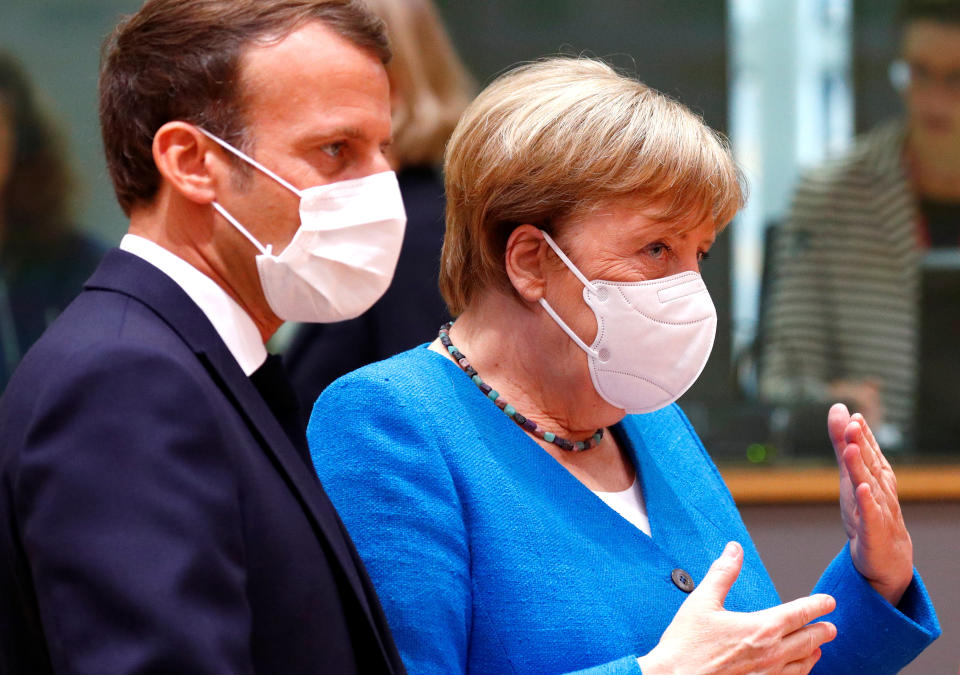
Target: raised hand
(879,542)
(705,638)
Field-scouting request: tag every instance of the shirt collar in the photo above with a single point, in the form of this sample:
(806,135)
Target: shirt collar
(234,326)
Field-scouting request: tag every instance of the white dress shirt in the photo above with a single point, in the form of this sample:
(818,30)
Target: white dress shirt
(232,323)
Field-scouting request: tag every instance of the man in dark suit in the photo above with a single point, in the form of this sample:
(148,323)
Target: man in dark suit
(158,511)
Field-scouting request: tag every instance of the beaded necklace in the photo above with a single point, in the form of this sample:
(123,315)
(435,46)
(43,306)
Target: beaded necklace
(527,424)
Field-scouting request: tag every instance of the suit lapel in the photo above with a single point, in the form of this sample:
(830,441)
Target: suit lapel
(125,273)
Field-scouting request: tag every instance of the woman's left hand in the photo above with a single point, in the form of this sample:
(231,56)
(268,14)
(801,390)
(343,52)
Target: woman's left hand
(879,542)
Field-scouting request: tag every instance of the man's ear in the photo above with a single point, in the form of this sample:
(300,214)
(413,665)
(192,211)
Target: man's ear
(525,258)
(182,155)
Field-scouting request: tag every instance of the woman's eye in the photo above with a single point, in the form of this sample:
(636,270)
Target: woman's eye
(657,250)
(333,149)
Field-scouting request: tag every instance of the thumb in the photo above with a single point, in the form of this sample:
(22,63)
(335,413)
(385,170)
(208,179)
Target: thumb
(721,575)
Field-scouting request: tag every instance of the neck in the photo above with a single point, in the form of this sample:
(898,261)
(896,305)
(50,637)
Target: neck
(520,352)
(188,231)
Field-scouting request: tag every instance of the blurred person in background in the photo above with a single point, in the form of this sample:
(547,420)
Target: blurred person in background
(524,491)
(845,301)
(44,259)
(429,89)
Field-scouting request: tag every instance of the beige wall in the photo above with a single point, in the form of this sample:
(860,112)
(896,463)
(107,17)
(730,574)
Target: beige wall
(797,543)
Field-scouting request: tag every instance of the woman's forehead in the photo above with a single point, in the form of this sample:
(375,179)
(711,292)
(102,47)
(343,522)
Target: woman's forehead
(635,215)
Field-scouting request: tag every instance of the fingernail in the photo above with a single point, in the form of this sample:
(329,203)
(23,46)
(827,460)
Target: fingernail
(731,549)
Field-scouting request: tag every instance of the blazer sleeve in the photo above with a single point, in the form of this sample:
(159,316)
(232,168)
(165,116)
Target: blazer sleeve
(129,514)
(873,636)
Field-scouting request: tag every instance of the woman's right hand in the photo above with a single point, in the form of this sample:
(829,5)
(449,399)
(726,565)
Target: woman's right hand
(705,638)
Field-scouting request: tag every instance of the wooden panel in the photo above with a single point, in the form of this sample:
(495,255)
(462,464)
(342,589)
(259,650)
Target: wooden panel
(765,485)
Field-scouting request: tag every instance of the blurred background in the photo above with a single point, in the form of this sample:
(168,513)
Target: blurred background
(791,82)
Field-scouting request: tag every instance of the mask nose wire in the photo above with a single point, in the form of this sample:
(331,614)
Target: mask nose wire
(250,160)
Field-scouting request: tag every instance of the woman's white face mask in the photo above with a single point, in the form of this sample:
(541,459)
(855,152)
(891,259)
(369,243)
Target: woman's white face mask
(653,337)
(342,257)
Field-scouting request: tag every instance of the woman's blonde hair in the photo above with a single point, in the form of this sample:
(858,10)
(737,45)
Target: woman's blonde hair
(563,134)
(432,83)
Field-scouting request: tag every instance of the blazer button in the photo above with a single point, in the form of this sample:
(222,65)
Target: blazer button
(682,580)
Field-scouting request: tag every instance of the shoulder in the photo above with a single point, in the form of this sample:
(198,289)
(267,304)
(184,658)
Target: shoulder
(412,374)
(875,153)
(396,401)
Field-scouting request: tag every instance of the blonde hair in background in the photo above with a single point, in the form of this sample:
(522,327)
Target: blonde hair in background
(431,83)
(564,134)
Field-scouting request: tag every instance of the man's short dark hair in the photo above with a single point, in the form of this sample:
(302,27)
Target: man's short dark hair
(180,60)
(941,11)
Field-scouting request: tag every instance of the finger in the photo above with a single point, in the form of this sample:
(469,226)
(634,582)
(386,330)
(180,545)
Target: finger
(794,615)
(870,512)
(856,468)
(857,432)
(837,420)
(802,667)
(720,577)
(882,464)
(802,643)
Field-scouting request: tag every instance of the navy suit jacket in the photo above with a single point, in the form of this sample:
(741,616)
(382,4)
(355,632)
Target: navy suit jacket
(154,516)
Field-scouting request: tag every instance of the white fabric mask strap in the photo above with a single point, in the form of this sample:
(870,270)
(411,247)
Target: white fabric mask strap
(250,160)
(236,223)
(546,305)
(566,329)
(567,262)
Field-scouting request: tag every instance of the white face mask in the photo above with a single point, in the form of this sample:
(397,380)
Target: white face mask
(653,337)
(342,257)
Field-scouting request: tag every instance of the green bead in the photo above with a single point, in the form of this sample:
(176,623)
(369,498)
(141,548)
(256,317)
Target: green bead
(476,380)
(493,395)
(548,436)
(510,410)
(451,349)
(598,437)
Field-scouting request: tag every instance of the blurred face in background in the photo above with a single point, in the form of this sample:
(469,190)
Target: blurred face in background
(931,51)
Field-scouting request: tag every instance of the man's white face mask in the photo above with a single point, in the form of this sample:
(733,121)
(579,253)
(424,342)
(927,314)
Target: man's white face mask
(342,257)
(653,337)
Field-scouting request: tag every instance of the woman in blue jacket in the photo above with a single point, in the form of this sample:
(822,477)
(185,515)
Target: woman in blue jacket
(524,492)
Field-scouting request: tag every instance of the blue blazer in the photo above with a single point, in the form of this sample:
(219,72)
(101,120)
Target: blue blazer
(154,516)
(490,557)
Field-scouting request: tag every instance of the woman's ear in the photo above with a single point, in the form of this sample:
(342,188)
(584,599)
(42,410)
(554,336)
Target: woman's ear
(180,152)
(524,259)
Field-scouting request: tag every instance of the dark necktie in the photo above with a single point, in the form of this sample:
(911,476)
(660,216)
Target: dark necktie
(274,386)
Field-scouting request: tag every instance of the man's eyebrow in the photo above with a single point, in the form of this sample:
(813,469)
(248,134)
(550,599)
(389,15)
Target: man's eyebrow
(335,132)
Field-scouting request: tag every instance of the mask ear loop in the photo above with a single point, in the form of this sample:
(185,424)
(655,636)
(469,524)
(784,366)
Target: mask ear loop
(236,223)
(250,160)
(549,310)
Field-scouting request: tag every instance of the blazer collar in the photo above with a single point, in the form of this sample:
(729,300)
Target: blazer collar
(125,273)
(673,464)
